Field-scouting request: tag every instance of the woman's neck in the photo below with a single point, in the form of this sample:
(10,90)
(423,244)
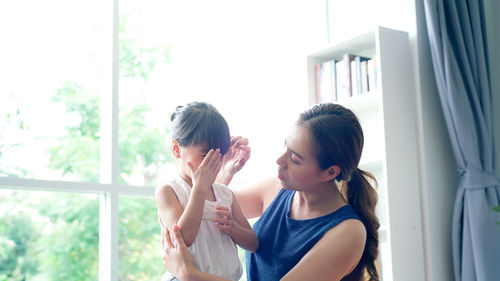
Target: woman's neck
(320,202)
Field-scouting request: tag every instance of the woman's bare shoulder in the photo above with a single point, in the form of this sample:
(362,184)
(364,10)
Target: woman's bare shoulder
(336,254)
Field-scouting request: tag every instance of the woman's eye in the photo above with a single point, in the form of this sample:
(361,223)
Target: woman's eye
(294,160)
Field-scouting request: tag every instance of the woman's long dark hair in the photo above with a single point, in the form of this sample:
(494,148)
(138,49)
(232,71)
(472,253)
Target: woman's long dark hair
(339,138)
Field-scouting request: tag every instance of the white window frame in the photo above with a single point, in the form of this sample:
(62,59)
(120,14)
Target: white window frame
(109,189)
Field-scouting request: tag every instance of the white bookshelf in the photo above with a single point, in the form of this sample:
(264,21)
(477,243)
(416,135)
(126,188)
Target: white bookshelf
(388,118)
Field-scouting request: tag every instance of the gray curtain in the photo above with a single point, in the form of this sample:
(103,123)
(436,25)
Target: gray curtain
(457,36)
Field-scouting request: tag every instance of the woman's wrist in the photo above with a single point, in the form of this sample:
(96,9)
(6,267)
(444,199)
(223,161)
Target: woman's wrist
(225,177)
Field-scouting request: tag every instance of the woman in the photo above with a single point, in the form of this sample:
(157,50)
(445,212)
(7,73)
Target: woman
(317,218)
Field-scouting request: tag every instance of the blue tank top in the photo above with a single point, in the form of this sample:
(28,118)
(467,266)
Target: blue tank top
(284,241)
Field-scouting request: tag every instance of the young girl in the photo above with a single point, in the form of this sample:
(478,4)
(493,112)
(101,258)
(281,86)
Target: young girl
(208,212)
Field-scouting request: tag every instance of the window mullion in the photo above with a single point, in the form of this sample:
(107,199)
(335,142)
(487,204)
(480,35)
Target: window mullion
(108,236)
(108,215)
(114,98)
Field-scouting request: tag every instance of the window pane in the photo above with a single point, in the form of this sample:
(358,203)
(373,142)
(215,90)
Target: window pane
(55,66)
(140,256)
(48,235)
(144,52)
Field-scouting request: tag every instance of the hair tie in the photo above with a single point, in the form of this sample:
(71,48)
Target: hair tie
(177,110)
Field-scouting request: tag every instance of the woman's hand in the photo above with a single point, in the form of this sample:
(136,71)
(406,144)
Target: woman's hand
(235,158)
(177,260)
(205,175)
(224,220)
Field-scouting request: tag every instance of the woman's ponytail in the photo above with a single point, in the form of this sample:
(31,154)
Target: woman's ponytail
(362,197)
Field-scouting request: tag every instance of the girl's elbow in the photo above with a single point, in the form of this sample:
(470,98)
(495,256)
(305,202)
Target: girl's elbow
(189,242)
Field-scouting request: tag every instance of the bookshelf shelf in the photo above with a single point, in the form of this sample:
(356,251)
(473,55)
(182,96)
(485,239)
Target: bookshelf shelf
(388,117)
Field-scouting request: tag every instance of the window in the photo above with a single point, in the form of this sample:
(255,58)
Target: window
(54,71)
(86,89)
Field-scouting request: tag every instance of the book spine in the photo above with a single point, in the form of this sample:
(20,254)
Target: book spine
(340,80)
(347,58)
(371,75)
(364,76)
(333,80)
(317,81)
(354,77)
(325,82)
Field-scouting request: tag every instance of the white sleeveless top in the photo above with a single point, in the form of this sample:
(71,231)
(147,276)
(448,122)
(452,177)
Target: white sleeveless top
(213,250)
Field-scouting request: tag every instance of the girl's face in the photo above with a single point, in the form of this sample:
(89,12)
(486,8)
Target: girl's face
(298,167)
(194,154)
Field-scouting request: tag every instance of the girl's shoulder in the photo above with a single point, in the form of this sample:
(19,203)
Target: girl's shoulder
(177,188)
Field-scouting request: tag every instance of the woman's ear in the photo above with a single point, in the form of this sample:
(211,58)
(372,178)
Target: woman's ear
(176,149)
(330,173)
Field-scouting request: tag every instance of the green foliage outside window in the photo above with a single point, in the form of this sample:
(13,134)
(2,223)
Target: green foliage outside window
(70,251)
(17,257)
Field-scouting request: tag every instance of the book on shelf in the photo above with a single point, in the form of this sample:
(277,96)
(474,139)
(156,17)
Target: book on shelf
(340,79)
(347,58)
(372,75)
(343,78)
(333,80)
(354,78)
(340,82)
(364,76)
(360,74)
(317,81)
(325,82)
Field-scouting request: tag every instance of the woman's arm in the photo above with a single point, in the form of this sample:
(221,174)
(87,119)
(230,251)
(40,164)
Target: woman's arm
(255,199)
(179,261)
(335,255)
(236,225)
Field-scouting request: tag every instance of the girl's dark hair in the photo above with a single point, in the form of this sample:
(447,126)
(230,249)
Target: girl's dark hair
(199,122)
(339,138)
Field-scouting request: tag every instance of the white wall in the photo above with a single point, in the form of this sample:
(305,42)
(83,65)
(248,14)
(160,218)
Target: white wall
(348,18)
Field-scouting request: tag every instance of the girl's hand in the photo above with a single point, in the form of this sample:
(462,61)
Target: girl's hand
(235,158)
(176,260)
(205,175)
(224,219)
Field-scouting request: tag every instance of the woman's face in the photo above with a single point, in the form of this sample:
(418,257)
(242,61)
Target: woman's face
(298,167)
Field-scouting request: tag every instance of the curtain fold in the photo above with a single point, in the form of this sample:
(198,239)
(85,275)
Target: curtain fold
(457,38)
